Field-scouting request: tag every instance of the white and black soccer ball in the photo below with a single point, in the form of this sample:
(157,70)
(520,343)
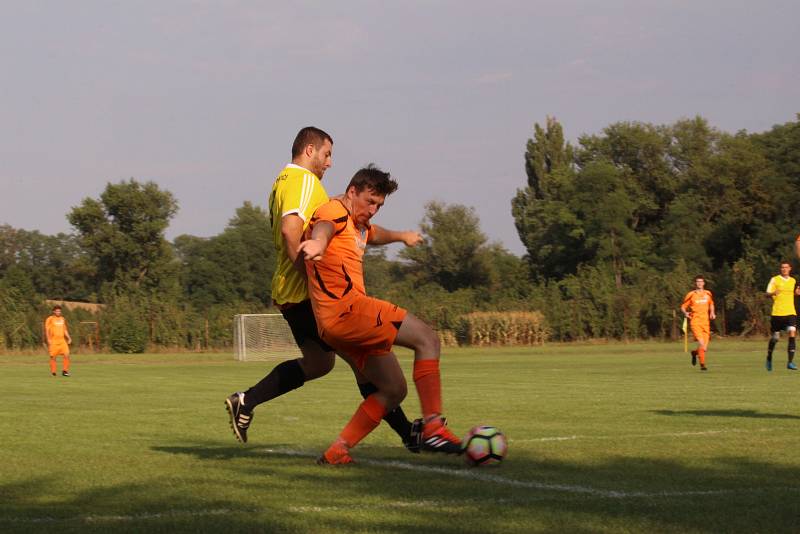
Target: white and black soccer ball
(485,445)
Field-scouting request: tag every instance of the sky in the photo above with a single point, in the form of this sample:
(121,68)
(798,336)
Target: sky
(205,98)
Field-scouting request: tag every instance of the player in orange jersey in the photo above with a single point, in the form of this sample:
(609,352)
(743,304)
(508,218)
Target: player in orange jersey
(363,329)
(58,340)
(698,307)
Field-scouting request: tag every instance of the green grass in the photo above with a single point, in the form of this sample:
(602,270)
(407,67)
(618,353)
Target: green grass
(603,438)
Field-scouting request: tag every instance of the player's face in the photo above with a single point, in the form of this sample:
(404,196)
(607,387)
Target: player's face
(365,205)
(321,159)
(57,312)
(699,283)
(785,269)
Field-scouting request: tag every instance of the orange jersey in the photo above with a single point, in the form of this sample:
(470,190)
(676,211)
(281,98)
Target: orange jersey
(339,275)
(56,328)
(699,302)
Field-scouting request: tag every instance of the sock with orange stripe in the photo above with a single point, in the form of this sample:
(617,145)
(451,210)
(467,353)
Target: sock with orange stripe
(367,417)
(429,386)
(53,367)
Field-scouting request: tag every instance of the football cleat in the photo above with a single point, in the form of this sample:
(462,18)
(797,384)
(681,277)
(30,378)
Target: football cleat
(769,365)
(703,367)
(53,374)
(436,437)
(64,373)
(414,440)
(240,417)
(337,454)
(694,357)
(791,366)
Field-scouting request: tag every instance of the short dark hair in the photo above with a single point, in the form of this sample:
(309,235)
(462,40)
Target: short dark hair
(786,262)
(56,307)
(700,277)
(309,136)
(371,177)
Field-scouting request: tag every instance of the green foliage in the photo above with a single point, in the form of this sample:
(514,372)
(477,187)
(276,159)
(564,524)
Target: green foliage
(127,330)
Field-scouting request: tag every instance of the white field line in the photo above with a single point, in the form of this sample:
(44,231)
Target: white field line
(483,476)
(625,436)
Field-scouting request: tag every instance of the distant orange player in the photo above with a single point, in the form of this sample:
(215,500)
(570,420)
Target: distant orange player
(58,340)
(698,307)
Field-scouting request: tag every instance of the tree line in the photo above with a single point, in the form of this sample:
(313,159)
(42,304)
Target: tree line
(615,227)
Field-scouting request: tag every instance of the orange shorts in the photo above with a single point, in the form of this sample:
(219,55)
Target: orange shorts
(59,348)
(366,327)
(702,332)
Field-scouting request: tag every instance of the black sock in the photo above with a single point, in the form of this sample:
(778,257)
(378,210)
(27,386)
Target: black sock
(396,418)
(283,378)
(791,348)
(770,348)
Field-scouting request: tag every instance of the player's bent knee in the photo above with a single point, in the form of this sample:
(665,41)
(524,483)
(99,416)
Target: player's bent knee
(395,394)
(776,336)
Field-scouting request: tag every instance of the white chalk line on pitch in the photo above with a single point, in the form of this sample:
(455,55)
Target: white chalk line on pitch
(625,436)
(483,476)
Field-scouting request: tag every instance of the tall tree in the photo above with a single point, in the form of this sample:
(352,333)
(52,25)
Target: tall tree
(123,233)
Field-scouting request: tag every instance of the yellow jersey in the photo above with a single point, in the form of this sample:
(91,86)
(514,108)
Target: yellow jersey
(296,191)
(783,302)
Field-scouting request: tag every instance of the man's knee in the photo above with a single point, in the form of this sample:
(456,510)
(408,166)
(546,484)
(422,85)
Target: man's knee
(395,394)
(316,361)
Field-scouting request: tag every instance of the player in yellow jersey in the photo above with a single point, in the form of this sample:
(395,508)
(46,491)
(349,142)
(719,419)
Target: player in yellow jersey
(698,307)
(58,340)
(296,194)
(783,288)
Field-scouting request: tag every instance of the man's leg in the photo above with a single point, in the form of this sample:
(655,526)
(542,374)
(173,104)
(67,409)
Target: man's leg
(53,366)
(417,335)
(284,377)
(409,432)
(65,362)
(773,340)
(385,373)
(791,349)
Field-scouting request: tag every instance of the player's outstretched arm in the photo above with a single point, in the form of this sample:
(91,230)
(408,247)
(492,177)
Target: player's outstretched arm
(313,249)
(382,236)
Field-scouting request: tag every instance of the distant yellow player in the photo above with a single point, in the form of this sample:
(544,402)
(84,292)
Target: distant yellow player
(698,307)
(58,340)
(782,288)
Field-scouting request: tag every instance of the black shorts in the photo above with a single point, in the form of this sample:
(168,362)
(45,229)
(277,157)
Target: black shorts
(782,322)
(303,324)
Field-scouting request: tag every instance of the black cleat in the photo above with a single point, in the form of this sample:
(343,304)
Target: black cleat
(414,440)
(64,373)
(436,437)
(240,417)
(694,357)
(703,367)
(53,374)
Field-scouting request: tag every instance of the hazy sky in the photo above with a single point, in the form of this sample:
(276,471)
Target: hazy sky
(205,98)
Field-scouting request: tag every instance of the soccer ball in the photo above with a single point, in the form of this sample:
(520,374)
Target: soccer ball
(484,445)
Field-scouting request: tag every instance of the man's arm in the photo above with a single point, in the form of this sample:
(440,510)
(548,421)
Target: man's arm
(66,333)
(292,233)
(382,236)
(314,248)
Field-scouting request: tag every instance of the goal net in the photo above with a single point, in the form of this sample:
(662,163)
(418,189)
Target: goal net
(262,337)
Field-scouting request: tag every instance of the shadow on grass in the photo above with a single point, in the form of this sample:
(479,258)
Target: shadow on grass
(216,488)
(727,413)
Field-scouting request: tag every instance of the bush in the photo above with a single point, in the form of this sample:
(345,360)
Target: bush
(127,333)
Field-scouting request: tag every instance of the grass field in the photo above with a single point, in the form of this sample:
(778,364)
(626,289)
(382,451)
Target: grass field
(603,438)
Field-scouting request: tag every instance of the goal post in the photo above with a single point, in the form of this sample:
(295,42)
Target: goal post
(263,337)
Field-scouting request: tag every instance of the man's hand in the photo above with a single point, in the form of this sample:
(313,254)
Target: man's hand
(411,238)
(311,249)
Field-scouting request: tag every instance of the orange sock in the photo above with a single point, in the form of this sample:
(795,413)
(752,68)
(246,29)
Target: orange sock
(65,363)
(52,365)
(701,354)
(429,386)
(367,417)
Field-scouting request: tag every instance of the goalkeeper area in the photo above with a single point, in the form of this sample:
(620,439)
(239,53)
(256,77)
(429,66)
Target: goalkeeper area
(602,438)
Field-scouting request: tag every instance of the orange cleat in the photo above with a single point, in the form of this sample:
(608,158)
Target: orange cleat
(337,454)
